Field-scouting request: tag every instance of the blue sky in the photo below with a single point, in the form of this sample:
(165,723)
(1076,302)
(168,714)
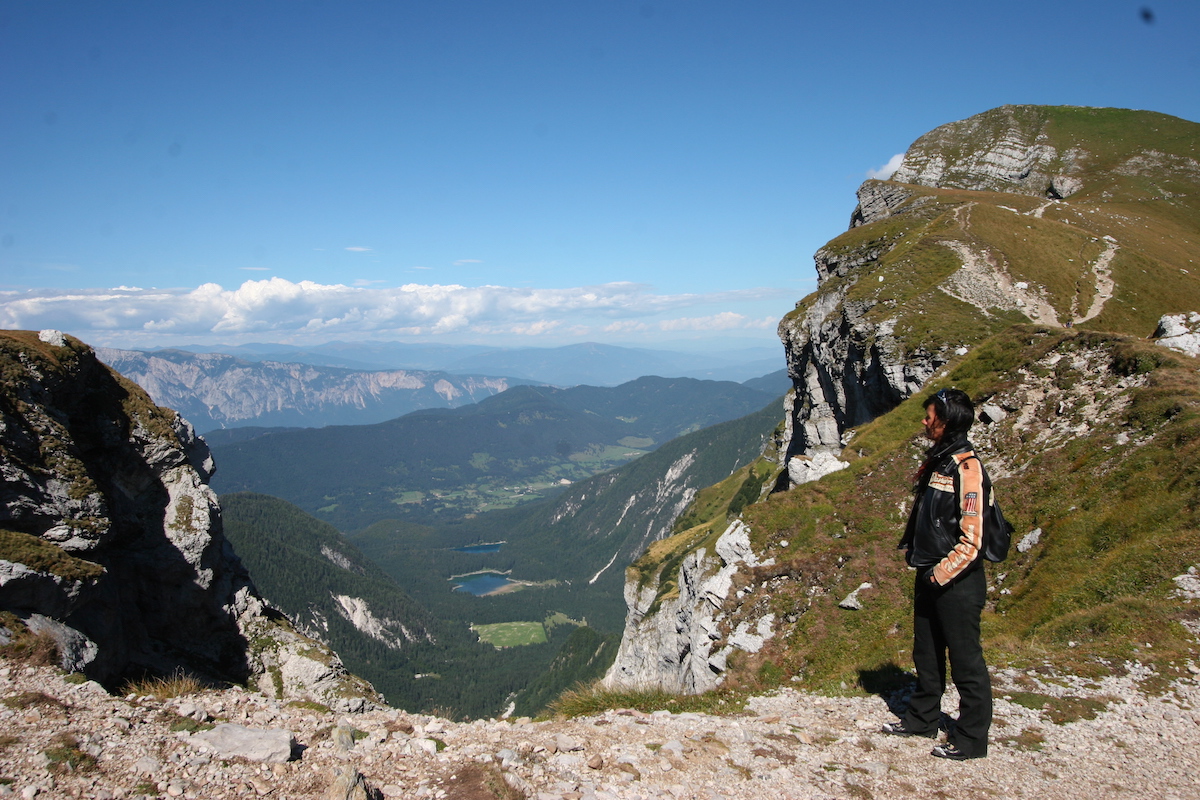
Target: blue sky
(521,173)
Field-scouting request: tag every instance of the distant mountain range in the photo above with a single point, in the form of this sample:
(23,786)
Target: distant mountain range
(279,386)
(215,391)
(570,365)
(441,464)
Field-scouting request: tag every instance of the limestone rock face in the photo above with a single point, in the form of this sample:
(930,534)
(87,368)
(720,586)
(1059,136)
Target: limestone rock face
(94,470)
(1006,149)
(92,466)
(679,645)
(847,369)
(877,200)
(847,362)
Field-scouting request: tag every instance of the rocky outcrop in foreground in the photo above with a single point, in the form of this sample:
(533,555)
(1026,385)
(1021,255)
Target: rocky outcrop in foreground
(111,541)
(64,740)
(677,643)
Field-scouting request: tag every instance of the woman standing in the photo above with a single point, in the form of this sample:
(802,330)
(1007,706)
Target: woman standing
(944,542)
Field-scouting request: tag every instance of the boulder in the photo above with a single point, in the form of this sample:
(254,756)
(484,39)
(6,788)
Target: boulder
(1179,332)
(269,746)
(851,601)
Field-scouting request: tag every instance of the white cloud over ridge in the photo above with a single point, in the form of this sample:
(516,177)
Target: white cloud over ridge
(278,307)
(888,169)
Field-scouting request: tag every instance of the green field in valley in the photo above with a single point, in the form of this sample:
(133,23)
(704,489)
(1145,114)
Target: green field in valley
(511,634)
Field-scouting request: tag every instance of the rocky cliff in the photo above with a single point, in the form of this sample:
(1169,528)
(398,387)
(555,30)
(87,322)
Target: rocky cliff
(220,391)
(1037,220)
(111,541)
(676,642)
(974,233)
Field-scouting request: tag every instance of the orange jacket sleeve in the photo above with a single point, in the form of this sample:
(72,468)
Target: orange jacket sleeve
(970,511)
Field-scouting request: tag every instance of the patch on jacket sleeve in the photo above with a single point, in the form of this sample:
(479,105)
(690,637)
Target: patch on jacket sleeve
(943,483)
(970,505)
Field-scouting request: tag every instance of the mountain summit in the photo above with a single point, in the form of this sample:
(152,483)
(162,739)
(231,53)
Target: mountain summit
(1062,216)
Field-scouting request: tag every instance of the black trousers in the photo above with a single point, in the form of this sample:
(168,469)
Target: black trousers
(946,622)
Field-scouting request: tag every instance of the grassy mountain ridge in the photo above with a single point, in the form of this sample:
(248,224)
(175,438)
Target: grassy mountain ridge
(1033,293)
(1139,185)
(1098,452)
(1116,154)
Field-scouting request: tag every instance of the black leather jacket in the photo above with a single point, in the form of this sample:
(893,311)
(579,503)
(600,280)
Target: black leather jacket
(944,535)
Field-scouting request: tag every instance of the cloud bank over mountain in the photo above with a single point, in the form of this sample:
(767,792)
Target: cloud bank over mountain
(280,308)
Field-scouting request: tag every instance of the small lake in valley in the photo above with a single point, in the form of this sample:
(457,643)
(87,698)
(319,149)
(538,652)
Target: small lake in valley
(493,547)
(480,583)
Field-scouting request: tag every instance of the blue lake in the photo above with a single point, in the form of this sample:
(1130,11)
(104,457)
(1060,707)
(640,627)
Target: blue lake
(480,548)
(481,583)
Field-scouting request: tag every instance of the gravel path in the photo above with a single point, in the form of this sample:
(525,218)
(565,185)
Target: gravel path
(790,744)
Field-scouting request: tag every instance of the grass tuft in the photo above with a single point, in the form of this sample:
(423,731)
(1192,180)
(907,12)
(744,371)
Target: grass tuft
(25,700)
(1061,710)
(596,699)
(65,756)
(43,556)
(177,684)
(25,646)
(309,705)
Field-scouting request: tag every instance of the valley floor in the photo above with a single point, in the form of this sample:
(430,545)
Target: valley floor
(790,744)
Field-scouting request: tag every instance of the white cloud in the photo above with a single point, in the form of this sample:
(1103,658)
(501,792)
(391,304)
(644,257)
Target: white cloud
(886,171)
(462,261)
(359,249)
(628,326)
(278,307)
(255,269)
(726,320)
(536,328)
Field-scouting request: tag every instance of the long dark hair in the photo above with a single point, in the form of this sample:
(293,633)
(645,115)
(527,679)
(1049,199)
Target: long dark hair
(953,407)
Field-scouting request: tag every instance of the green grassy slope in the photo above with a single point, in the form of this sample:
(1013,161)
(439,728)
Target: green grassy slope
(1140,175)
(1099,451)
